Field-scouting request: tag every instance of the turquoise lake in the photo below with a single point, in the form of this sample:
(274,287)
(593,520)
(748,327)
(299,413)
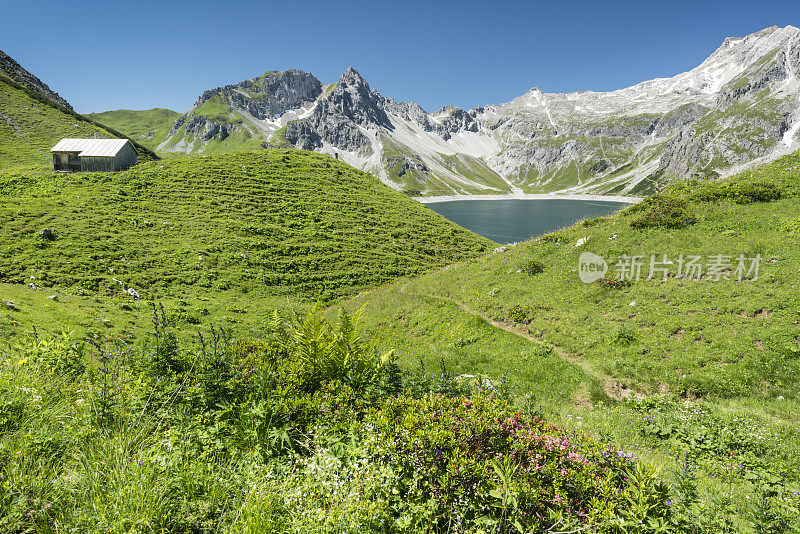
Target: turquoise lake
(514,220)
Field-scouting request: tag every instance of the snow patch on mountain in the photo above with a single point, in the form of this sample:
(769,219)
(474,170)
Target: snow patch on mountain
(791,133)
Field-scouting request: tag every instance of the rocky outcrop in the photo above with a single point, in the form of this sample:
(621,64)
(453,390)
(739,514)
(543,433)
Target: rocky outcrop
(204,128)
(303,136)
(261,98)
(403,164)
(678,119)
(459,120)
(353,99)
(13,70)
(268,95)
(342,117)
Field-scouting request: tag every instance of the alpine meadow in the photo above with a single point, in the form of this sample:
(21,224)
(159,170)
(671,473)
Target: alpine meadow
(255,323)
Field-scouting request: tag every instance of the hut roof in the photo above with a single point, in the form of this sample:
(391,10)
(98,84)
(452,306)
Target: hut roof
(98,148)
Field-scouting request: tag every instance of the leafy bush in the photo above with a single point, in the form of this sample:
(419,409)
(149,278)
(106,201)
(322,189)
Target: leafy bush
(591,222)
(741,192)
(532,267)
(614,283)
(520,314)
(471,464)
(624,337)
(758,192)
(553,237)
(661,211)
(700,433)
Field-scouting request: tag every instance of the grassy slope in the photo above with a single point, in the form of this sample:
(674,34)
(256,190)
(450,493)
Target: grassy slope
(30,125)
(213,236)
(29,128)
(721,335)
(149,127)
(728,347)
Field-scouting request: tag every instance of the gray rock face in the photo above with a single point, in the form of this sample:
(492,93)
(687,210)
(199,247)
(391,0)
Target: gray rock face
(678,119)
(340,116)
(13,70)
(303,136)
(459,120)
(404,164)
(204,128)
(410,111)
(352,98)
(268,95)
(262,98)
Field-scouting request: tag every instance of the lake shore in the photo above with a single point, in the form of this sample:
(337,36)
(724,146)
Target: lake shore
(529,196)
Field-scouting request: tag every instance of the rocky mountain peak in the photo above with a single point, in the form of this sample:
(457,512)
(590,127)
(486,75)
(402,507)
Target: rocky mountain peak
(752,47)
(351,77)
(267,95)
(353,98)
(262,98)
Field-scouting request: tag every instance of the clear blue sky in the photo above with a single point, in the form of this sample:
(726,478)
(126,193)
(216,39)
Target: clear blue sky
(143,54)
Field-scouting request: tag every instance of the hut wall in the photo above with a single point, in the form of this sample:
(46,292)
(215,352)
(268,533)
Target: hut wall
(125,157)
(92,164)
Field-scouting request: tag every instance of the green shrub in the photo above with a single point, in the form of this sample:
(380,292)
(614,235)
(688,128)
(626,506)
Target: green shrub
(553,237)
(335,353)
(532,267)
(478,463)
(412,192)
(614,283)
(624,337)
(741,193)
(661,211)
(591,222)
(758,192)
(520,314)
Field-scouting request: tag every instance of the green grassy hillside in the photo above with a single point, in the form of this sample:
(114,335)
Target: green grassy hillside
(699,373)
(699,378)
(30,125)
(149,127)
(696,338)
(232,234)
